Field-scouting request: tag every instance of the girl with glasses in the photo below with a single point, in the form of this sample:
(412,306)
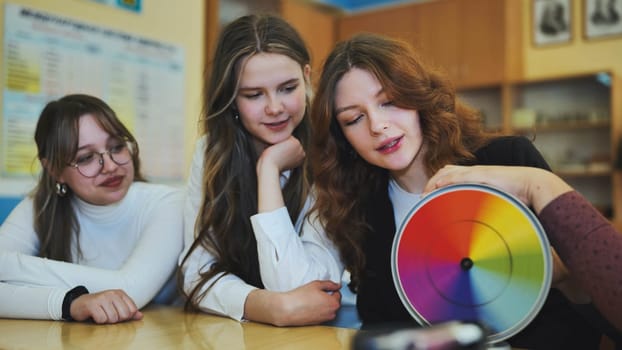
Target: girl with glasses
(93,240)
(249,185)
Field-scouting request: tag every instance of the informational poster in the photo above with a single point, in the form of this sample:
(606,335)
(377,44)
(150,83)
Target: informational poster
(47,56)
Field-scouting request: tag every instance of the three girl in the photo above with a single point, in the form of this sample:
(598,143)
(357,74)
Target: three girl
(386,130)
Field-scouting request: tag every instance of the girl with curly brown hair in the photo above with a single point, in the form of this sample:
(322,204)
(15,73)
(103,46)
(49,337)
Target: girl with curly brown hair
(383,124)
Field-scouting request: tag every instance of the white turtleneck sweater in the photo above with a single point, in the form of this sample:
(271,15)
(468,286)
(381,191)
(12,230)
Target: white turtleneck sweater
(131,245)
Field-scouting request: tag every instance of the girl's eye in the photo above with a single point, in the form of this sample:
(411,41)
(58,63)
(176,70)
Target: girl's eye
(290,88)
(355,120)
(387,104)
(117,148)
(85,158)
(252,96)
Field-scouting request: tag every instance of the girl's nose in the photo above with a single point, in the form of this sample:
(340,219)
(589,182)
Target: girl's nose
(377,123)
(274,106)
(108,165)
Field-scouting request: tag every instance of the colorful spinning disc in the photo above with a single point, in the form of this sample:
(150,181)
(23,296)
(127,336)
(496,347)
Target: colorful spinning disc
(472,253)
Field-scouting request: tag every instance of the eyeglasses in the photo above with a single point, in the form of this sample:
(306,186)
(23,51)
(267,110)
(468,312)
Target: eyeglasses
(90,165)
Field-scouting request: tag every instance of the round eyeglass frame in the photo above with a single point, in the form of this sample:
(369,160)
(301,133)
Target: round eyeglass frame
(130,148)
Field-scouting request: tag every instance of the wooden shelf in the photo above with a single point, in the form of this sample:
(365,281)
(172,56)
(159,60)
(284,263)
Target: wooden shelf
(565,126)
(564,133)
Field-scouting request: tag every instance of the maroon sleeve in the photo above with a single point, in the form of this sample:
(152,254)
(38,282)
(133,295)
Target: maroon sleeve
(590,247)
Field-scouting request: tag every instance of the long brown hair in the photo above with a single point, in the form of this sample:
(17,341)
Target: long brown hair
(229,180)
(451,133)
(57,136)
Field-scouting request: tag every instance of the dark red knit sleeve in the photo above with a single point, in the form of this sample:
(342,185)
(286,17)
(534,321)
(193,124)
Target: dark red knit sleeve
(590,247)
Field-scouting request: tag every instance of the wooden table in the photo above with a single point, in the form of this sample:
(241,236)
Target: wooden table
(169,328)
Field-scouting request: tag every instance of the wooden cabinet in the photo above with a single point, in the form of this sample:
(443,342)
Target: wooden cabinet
(489,101)
(316,24)
(575,122)
(437,35)
(482,36)
(573,127)
(397,21)
(465,38)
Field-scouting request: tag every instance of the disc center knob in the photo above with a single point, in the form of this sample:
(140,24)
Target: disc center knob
(466,263)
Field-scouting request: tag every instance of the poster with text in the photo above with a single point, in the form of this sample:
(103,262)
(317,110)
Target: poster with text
(46,56)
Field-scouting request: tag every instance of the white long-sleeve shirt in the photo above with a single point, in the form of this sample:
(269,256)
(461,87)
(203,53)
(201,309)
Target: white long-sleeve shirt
(287,260)
(131,245)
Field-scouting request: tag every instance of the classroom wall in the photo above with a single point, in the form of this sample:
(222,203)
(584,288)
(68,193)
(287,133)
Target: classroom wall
(578,56)
(180,23)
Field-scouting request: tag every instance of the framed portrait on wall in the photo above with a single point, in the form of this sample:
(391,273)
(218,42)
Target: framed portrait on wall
(602,18)
(551,22)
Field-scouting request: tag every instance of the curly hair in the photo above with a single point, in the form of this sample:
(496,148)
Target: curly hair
(229,180)
(451,132)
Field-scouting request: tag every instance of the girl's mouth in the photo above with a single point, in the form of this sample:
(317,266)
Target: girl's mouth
(390,146)
(277,126)
(113,181)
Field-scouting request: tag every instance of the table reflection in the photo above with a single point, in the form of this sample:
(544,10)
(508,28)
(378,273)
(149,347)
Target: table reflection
(35,334)
(207,333)
(169,328)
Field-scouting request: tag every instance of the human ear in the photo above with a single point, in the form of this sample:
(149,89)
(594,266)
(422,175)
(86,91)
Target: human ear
(306,72)
(46,165)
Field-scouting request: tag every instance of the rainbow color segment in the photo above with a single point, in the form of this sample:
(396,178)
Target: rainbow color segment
(473,253)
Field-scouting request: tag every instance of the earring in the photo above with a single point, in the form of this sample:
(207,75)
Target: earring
(236,116)
(61,189)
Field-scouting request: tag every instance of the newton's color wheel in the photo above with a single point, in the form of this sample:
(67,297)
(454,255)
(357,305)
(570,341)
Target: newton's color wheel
(472,253)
